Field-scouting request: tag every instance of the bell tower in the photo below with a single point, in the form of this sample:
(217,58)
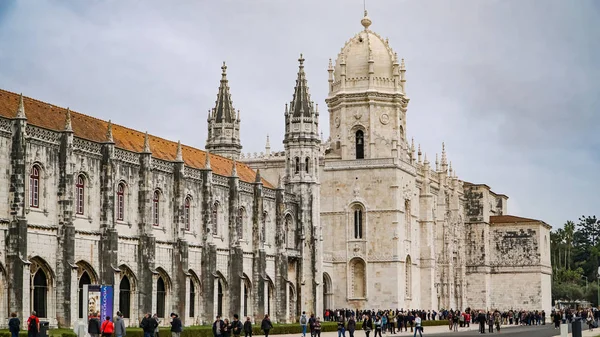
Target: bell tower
(224,124)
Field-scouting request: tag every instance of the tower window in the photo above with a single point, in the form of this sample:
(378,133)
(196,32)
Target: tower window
(34,187)
(121,202)
(80,193)
(186,213)
(297,170)
(306,161)
(360,145)
(358,222)
(155,206)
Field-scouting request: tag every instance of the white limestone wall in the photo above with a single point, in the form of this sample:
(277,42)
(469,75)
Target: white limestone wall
(45,158)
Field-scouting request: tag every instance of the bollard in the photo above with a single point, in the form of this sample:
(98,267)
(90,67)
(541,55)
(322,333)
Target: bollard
(564,330)
(576,328)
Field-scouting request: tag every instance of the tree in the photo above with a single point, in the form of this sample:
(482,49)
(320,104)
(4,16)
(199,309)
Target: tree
(569,231)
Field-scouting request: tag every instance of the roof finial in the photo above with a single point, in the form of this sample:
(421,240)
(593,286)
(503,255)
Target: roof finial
(419,153)
(301,60)
(366,21)
(207,160)
(224,69)
(234,169)
(444,158)
(21,108)
(147,144)
(437,163)
(109,135)
(68,126)
(279,183)
(179,155)
(257,179)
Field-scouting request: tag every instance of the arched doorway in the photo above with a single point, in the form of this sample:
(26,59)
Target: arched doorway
(125,296)
(83,280)
(292,303)
(327,292)
(247,296)
(161,296)
(270,297)
(40,293)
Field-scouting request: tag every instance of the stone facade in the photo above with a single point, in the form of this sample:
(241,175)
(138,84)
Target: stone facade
(362,220)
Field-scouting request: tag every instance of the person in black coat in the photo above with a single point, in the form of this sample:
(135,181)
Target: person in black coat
(266,325)
(218,327)
(148,324)
(248,327)
(14,325)
(94,325)
(176,325)
(368,325)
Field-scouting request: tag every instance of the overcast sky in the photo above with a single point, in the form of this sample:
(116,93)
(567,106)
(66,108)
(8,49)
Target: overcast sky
(512,87)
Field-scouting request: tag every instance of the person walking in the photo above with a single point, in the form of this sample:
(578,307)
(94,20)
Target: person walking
(317,327)
(176,325)
(303,323)
(217,327)
(341,327)
(14,325)
(107,328)
(368,325)
(266,325)
(248,327)
(418,326)
(156,329)
(351,325)
(236,326)
(481,320)
(120,330)
(33,325)
(226,328)
(93,325)
(148,325)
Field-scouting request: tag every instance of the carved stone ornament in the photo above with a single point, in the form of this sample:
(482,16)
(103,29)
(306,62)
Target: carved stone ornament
(407,192)
(337,121)
(358,115)
(384,119)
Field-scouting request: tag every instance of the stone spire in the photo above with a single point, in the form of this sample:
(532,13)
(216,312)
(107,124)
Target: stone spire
(21,109)
(301,104)
(419,153)
(268,147)
(257,179)
(223,123)
(68,126)
(437,163)
(207,161)
(444,158)
(146,144)
(179,155)
(234,169)
(109,134)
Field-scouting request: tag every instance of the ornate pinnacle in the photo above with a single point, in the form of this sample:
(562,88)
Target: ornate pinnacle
(179,155)
(279,183)
(109,134)
(68,126)
(257,179)
(146,144)
(402,65)
(234,169)
(366,21)
(444,159)
(207,161)
(330,68)
(21,109)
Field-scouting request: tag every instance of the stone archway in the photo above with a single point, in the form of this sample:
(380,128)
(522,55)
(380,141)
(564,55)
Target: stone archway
(327,292)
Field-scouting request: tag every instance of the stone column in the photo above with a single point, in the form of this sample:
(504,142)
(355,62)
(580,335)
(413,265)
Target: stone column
(16,243)
(209,251)
(258,247)
(180,249)
(147,241)
(281,259)
(109,243)
(236,254)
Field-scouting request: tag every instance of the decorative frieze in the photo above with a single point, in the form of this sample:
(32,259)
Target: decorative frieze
(220,180)
(246,187)
(269,193)
(127,157)
(43,135)
(192,173)
(86,146)
(162,165)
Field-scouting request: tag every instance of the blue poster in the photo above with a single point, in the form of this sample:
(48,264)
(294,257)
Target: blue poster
(106,302)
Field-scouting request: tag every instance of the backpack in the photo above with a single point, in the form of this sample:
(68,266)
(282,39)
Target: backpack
(303,320)
(32,325)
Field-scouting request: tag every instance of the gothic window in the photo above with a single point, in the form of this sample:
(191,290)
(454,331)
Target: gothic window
(360,145)
(246,298)
(125,296)
(270,294)
(156,209)
(34,187)
(192,299)
(358,278)
(161,295)
(220,298)
(297,167)
(215,218)
(83,280)
(358,221)
(80,193)
(264,228)
(401,132)
(291,231)
(186,213)
(121,202)
(407,219)
(408,277)
(306,162)
(240,222)
(40,293)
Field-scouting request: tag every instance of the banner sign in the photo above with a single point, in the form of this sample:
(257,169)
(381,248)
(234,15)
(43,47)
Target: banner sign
(106,302)
(93,299)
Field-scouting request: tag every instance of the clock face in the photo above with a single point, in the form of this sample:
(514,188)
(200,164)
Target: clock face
(337,121)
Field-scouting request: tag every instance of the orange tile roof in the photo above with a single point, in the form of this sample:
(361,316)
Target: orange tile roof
(52,117)
(510,219)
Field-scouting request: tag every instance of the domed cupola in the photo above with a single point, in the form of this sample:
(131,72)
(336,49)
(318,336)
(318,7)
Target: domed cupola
(366,62)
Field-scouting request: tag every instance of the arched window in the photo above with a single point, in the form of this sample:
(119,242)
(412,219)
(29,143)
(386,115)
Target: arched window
(358,278)
(220,298)
(407,219)
(215,218)
(263,230)
(297,170)
(240,222)
(155,209)
(40,293)
(306,164)
(270,294)
(80,193)
(34,187)
(121,202)
(291,231)
(83,280)
(358,217)
(408,277)
(161,294)
(186,213)
(192,299)
(360,145)
(125,297)
(246,297)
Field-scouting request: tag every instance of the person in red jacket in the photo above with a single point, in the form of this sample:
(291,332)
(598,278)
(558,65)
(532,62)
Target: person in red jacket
(107,327)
